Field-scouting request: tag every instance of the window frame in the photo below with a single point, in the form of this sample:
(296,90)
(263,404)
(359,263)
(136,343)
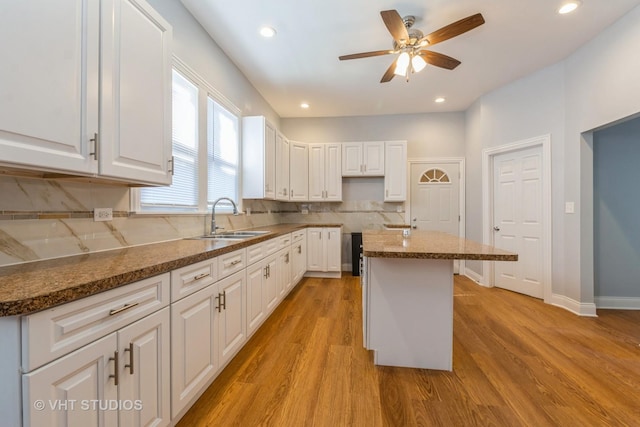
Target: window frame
(205,91)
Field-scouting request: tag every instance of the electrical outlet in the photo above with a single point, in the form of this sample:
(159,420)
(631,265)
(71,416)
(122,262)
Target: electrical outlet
(102,214)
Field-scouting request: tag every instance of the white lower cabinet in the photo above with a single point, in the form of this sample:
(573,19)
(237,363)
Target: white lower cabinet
(233,320)
(194,337)
(270,284)
(255,290)
(283,265)
(324,251)
(298,257)
(121,379)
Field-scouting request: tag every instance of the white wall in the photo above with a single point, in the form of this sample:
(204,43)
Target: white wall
(193,45)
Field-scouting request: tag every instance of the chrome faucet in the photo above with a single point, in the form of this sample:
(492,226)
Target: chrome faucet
(213,213)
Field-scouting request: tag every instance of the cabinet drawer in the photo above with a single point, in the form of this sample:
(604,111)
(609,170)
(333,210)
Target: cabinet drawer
(231,262)
(52,333)
(284,241)
(187,280)
(298,235)
(255,253)
(271,246)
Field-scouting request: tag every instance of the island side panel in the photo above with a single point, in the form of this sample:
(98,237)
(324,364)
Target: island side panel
(411,312)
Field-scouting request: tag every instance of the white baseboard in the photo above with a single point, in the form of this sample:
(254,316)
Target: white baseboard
(474,276)
(576,307)
(618,303)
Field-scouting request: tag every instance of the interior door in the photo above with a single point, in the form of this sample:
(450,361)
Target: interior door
(517,219)
(435,198)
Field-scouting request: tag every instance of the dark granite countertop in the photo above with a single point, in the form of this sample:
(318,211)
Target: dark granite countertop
(34,286)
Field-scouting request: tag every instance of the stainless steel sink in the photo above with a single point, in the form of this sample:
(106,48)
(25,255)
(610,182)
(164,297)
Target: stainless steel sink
(232,235)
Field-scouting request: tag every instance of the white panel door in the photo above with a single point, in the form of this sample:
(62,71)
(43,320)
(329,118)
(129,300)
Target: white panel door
(352,159)
(299,171)
(315,249)
(233,326)
(255,290)
(270,284)
(373,158)
(333,249)
(67,386)
(395,177)
(135,117)
(49,83)
(517,207)
(144,352)
(435,201)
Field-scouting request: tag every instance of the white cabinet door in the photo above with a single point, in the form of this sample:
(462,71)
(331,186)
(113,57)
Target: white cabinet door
(373,158)
(284,272)
(315,249)
(352,159)
(333,249)
(299,260)
(61,393)
(395,177)
(232,293)
(299,171)
(255,290)
(282,167)
(316,172)
(194,340)
(332,172)
(258,158)
(49,83)
(144,352)
(270,284)
(135,104)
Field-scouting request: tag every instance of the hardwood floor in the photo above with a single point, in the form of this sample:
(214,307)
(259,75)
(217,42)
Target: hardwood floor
(517,362)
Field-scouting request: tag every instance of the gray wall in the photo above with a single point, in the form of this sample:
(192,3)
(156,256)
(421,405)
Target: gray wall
(617,210)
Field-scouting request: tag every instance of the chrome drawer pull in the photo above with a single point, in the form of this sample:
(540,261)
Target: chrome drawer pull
(123,308)
(115,365)
(200,276)
(232,263)
(130,365)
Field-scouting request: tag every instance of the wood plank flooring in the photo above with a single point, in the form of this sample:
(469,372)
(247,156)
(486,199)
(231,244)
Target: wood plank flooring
(516,361)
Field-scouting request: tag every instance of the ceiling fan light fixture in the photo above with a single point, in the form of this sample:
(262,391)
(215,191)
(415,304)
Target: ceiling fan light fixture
(417,63)
(569,7)
(402,64)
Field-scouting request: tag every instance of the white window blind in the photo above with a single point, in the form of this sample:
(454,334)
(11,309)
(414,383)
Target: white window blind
(183,193)
(223,141)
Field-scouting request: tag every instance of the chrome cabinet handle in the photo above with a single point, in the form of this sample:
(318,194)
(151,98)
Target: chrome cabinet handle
(219,303)
(224,300)
(123,308)
(115,365)
(200,276)
(130,365)
(95,141)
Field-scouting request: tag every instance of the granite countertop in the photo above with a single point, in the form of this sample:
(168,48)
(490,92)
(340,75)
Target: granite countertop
(428,245)
(34,286)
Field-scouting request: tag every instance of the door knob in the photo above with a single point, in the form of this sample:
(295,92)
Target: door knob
(496,228)
(414,219)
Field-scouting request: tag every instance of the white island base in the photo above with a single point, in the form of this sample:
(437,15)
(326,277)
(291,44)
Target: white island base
(408,312)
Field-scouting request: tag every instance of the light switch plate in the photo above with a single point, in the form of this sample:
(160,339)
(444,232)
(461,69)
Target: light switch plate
(569,207)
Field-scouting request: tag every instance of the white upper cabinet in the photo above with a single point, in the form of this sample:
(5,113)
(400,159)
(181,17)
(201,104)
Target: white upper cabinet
(135,93)
(282,167)
(363,158)
(49,84)
(325,179)
(299,171)
(89,91)
(258,158)
(395,178)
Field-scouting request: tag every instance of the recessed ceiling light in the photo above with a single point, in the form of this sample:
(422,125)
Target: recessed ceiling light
(569,7)
(439,100)
(304,105)
(267,32)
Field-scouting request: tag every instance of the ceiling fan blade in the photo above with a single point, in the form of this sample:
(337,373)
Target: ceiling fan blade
(439,60)
(455,29)
(365,54)
(395,25)
(388,75)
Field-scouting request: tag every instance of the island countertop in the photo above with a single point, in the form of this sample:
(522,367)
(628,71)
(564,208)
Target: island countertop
(423,244)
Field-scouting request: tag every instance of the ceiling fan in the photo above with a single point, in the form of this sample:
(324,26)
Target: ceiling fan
(410,43)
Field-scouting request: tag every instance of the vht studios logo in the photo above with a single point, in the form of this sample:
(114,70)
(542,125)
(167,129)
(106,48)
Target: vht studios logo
(88,405)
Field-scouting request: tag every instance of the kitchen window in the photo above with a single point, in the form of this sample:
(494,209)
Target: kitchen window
(206,145)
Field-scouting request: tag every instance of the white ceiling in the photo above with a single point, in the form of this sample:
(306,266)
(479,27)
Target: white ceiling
(301,62)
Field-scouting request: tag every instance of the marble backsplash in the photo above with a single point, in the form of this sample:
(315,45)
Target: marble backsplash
(42,219)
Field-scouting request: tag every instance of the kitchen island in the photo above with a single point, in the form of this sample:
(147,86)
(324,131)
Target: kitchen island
(407,294)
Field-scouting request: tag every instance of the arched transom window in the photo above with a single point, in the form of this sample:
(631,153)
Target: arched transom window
(434,175)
